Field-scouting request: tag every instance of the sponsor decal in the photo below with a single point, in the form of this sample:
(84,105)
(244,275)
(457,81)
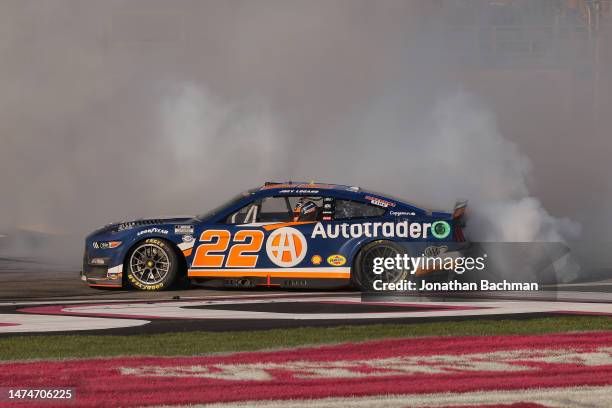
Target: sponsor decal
(183,229)
(98,261)
(559,370)
(440,229)
(401,213)
(379,202)
(286,247)
(336,260)
(105,244)
(402,229)
(316,259)
(328,209)
(187,238)
(152,231)
(126,226)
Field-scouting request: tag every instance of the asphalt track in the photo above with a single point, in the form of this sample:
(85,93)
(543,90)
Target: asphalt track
(41,297)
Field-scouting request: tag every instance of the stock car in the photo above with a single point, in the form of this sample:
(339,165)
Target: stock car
(288,235)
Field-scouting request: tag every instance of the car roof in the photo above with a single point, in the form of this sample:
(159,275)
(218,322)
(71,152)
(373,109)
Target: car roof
(349,190)
(344,190)
(308,185)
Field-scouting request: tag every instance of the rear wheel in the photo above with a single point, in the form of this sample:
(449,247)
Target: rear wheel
(362,274)
(152,265)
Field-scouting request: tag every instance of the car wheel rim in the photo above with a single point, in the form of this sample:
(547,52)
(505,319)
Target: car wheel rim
(389,275)
(149,264)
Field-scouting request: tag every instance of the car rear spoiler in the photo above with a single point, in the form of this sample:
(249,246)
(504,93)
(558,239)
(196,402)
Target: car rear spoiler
(459,210)
(459,218)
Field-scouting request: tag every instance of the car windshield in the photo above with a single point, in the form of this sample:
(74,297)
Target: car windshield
(229,203)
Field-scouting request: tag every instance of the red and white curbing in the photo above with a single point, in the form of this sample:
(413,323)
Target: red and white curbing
(550,370)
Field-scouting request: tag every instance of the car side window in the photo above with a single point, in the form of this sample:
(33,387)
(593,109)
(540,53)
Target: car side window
(281,209)
(275,209)
(347,209)
(246,215)
(307,208)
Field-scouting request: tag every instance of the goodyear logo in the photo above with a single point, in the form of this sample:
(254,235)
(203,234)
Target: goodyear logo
(336,260)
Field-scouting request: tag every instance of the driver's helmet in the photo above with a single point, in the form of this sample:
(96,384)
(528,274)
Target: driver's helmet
(305,210)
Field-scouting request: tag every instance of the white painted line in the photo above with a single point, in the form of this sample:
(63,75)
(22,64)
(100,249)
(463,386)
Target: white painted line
(31,323)
(128,300)
(181,310)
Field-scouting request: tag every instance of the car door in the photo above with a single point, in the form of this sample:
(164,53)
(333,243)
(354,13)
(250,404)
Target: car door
(229,247)
(263,239)
(294,250)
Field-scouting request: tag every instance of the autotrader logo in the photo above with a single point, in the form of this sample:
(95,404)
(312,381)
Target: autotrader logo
(286,247)
(440,229)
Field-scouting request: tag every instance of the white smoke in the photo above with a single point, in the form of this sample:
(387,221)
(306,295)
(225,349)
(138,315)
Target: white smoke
(217,147)
(491,171)
(349,92)
(453,152)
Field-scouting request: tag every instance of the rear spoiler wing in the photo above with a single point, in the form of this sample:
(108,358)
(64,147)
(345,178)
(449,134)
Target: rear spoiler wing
(458,217)
(459,210)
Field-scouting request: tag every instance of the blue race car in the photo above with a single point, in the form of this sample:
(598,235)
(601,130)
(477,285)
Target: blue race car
(289,235)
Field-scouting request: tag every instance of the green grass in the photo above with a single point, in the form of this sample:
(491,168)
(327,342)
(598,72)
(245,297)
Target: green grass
(200,342)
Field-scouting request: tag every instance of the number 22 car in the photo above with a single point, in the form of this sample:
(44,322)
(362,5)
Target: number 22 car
(288,235)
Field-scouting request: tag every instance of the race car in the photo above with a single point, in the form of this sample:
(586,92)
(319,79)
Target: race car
(288,235)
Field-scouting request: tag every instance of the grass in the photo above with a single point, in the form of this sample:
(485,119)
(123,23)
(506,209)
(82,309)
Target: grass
(201,342)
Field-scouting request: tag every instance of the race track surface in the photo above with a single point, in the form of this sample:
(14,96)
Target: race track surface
(39,297)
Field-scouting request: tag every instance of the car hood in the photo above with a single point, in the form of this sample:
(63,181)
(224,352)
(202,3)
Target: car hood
(141,222)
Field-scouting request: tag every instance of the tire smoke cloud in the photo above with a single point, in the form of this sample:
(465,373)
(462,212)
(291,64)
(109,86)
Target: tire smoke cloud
(113,111)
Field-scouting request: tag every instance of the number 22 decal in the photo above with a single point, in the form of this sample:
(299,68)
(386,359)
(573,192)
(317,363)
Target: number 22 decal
(242,254)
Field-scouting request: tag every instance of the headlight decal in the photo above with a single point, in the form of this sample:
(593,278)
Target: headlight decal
(105,244)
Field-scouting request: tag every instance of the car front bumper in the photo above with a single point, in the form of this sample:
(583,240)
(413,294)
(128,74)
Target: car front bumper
(101,275)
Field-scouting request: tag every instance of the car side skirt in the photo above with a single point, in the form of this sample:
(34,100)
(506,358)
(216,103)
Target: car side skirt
(318,273)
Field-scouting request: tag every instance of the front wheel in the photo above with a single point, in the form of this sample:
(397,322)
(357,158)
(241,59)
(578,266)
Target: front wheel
(152,265)
(362,274)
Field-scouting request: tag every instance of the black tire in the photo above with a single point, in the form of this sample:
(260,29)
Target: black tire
(152,265)
(362,275)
